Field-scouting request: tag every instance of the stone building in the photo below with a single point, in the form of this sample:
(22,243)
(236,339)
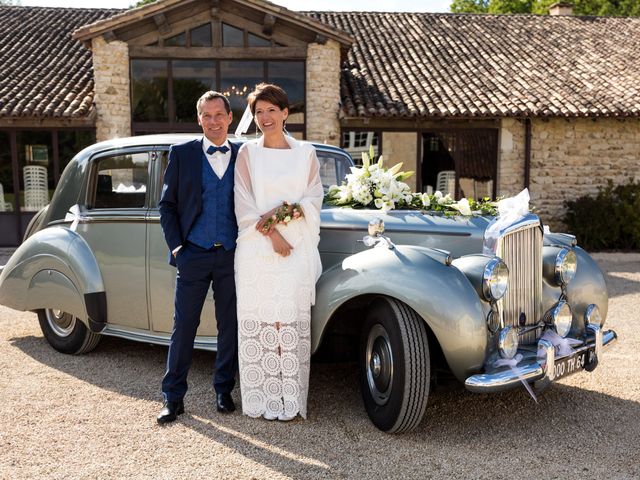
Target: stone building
(475,104)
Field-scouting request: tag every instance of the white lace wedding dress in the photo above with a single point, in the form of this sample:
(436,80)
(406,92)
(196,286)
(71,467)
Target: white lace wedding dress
(275,293)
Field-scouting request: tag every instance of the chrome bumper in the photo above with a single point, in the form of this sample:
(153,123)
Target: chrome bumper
(535,369)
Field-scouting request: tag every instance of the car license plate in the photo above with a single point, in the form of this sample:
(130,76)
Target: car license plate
(575,363)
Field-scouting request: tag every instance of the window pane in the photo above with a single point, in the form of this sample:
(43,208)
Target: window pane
(191,78)
(333,168)
(201,36)
(149,95)
(256,41)
(357,142)
(232,36)
(239,78)
(71,142)
(290,76)
(35,161)
(179,40)
(122,181)
(6,175)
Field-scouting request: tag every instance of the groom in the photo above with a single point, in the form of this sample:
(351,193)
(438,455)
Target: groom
(199,225)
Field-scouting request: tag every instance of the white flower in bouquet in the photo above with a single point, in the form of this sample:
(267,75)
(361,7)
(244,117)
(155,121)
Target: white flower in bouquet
(462,206)
(446,200)
(425,199)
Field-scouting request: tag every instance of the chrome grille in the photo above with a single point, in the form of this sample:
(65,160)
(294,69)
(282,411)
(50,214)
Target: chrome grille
(521,250)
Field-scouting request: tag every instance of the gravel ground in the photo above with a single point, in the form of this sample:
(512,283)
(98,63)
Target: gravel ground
(93,416)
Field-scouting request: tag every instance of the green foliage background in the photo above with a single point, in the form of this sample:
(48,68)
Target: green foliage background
(608,221)
(541,7)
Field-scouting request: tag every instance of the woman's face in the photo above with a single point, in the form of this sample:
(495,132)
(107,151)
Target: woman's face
(269,117)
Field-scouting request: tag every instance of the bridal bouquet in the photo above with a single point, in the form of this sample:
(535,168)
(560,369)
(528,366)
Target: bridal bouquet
(373,186)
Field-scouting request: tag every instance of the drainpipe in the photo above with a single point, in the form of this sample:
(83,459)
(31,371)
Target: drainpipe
(527,151)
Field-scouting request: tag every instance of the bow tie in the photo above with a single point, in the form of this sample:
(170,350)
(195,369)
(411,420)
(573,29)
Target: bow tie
(211,150)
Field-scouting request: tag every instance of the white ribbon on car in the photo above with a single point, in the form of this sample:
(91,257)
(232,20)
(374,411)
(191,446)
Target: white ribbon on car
(512,363)
(74,216)
(245,122)
(561,345)
(381,241)
(510,210)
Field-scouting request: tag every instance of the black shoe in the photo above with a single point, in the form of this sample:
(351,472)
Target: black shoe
(170,411)
(224,403)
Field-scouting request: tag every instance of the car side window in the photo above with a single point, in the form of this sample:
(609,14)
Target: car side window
(122,181)
(333,168)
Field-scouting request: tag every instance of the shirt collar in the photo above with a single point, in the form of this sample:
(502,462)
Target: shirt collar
(206,143)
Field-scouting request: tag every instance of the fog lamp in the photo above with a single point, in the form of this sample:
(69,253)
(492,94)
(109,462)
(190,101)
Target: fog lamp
(508,342)
(592,316)
(495,279)
(561,318)
(566,265)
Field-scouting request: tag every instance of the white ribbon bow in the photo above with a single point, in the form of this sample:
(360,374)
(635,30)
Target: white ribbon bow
(561,345)
(245,122)
(510,210)
(370,241)
(512,364)
(74,216)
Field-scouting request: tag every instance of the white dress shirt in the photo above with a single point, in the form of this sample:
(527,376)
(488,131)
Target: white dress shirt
(219,161)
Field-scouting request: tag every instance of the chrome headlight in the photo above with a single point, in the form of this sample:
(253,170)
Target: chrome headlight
(565,268)
(494,279)
(592,315)
(508,342)
(561,318)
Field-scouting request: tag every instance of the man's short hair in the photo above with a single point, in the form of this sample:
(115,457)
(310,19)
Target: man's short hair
(211,95)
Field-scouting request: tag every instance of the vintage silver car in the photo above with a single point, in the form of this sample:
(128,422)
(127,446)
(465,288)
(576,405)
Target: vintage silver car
(422,302)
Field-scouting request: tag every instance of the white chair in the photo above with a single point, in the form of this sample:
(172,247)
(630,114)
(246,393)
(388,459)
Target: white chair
(446,182)
(2,206)
(36,190)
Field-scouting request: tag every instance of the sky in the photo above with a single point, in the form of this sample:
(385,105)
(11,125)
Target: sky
(318,5)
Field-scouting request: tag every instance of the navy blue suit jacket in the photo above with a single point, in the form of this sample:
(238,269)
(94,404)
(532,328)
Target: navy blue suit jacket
(181,199)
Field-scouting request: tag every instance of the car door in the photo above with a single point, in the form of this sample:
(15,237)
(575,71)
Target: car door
(114,226)
(162,276)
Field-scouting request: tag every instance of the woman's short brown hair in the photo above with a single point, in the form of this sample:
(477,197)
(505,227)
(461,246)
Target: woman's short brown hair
(269,93)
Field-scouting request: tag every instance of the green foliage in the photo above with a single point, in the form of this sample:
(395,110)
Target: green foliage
(610,221)
(141,3)
(541,7)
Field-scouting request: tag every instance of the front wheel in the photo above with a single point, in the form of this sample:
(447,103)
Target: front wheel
(66,333)
(394,366)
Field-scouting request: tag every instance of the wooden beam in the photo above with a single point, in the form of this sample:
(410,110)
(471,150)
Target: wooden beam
(215,8)
(161,22)
(268,24)
(251,53)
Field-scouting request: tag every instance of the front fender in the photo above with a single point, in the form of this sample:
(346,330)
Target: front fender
(55,268)
(588,286)
(439,293)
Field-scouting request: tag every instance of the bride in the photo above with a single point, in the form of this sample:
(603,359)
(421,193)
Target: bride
(278,197)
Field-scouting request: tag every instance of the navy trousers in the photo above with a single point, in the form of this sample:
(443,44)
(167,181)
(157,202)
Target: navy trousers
(198,269)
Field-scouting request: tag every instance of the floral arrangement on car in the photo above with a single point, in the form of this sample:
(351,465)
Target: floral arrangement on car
(374,186)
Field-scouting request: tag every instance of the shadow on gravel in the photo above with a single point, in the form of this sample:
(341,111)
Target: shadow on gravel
(459,428)
(618,276)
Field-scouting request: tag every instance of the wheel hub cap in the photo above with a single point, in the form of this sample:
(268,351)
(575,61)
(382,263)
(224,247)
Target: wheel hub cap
(61,323)
(379,364)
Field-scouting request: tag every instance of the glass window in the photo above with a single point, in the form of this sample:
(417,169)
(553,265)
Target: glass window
(333,168)
(356,142)
(201,36)
(179,40)
(7,203)
(239,78)
(149,90)
(290,76)
(71,142)
(191,78)
(232,36)
(35,161)
(122,181)
(256,41)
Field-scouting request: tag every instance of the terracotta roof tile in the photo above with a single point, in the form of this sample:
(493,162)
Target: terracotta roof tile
(45,72)
(430,65)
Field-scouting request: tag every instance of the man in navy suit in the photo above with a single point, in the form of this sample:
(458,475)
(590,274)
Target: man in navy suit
(199,225)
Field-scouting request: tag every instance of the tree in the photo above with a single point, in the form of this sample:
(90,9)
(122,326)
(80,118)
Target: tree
(9,2)
(141,3)
(541,7)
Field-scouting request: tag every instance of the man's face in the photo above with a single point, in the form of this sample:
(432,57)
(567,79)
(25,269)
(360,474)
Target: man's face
(214,120)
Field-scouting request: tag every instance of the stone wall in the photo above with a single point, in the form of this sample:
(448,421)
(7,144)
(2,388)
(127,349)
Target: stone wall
(323,92)
(401,147)
(111,74)
(569,159)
